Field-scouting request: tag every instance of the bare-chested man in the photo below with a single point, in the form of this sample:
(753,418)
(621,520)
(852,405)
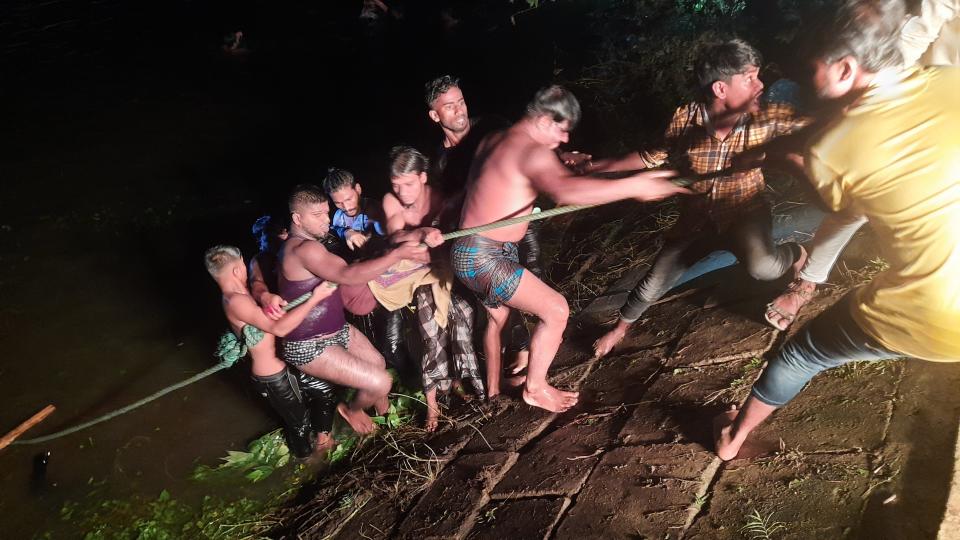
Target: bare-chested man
(225,265)
(324,345)
(509,170)
(414,210)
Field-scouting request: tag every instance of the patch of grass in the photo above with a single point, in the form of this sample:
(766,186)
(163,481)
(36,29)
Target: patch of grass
(859,276)
(856,370)
(167,518)
(759,527)
(700,500)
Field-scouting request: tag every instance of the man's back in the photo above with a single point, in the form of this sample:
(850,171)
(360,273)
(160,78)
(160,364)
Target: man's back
(895,157)
(497,188)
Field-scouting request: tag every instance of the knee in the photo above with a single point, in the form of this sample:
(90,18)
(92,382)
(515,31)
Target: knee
(763,270)
(557,311)
(381,383)
(497,319)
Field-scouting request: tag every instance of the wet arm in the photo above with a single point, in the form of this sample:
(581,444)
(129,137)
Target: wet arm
(551,178)
(244,309)
(323,264)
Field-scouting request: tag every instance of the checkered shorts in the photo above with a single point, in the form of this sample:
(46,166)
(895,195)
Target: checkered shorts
(302,352)
(487,267)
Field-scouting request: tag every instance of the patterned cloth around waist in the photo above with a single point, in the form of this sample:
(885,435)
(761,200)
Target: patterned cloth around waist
(302,352)
(487,267)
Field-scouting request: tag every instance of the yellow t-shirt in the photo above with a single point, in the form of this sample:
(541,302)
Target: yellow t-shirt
(894,156)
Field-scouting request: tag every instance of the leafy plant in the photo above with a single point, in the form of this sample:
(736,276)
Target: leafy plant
(264,456)
(759,527)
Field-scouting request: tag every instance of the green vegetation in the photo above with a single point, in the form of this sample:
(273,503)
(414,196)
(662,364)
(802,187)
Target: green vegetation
(168,518)
(759,527)
(264,456)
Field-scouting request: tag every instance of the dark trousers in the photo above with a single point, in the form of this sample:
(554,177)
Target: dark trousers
(750,240)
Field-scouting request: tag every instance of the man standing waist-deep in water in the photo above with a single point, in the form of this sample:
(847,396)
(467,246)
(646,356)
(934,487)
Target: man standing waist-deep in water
(509,170)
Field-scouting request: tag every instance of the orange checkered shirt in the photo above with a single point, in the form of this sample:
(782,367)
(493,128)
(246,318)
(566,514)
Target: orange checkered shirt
(690,146)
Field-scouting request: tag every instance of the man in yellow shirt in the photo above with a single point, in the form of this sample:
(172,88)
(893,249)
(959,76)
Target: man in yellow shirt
(893,156)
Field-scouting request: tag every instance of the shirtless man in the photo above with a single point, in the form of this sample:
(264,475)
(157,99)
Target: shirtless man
(225,264)
(509,170)
(324,345)
(411,205)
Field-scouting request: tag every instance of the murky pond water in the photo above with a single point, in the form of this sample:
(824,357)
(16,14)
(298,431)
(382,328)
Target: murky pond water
(117,174)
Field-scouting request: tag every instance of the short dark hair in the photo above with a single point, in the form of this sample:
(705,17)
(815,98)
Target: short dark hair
(407,160)
(305,194)
(556,102)
(438,86)
(868,30)
(337,179)
(720,61)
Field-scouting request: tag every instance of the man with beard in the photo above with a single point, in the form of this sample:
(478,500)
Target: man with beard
(324,345)
(893,156)
(729,211)
(357,218)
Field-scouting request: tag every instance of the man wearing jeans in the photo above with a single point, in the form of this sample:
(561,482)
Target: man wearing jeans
(931,37)
(729,211)
(893,156)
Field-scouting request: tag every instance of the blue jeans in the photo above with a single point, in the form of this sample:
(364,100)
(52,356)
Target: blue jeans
(828,341)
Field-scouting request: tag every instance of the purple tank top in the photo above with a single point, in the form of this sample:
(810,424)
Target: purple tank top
(326,318)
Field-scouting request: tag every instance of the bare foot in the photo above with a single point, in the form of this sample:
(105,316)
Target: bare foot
(782,311)
(611,339)
(433,419)
(382,406)
(324,442)
(519,362)
(726,447)
(358,420)
(550,398)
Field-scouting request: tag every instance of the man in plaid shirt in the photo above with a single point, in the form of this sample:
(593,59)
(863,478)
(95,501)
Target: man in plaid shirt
(729,211)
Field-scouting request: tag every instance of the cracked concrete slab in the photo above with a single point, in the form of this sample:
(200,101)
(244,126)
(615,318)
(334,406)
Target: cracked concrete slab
(681,403)
(801,496)
(620,379)
(532,519)
(513,428)
(638,492)
(841,409)
(724,334)
(559,463)
(450,507)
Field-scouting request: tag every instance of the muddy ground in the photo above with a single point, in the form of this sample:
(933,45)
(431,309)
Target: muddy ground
(866,451)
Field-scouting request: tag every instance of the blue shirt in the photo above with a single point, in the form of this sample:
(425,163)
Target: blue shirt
(362,222)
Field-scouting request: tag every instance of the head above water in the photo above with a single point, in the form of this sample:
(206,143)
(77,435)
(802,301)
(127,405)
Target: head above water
(728,71)
(446,104)
(555,111)
(851,39)
(344,190)
(221,258)
(309,211)
(408,173)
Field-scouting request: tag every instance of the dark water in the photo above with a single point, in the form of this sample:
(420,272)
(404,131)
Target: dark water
(127,155)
